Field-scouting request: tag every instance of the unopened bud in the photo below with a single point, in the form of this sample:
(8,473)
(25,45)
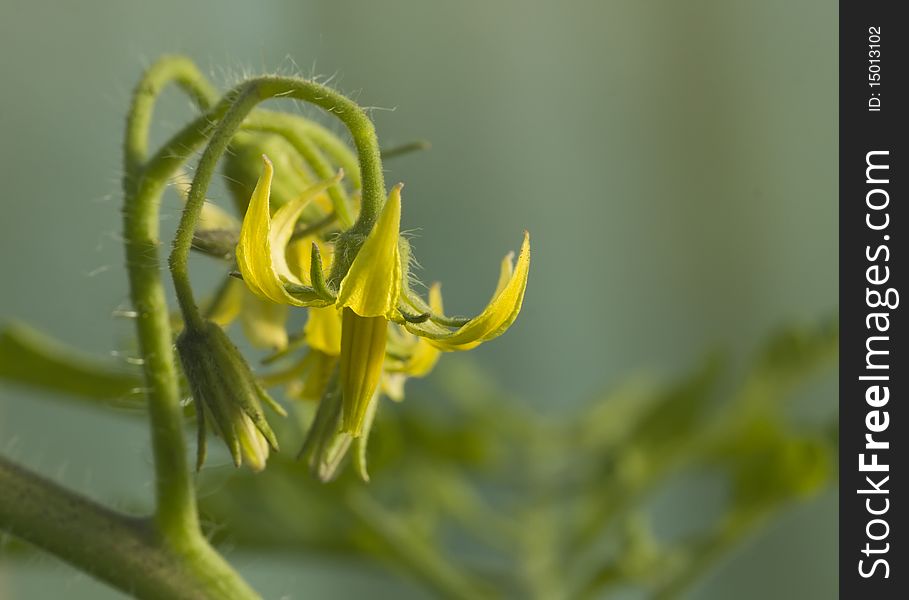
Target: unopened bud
(226,395)
(243,165)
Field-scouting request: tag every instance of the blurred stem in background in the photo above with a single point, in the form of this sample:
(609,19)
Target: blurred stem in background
(491,500)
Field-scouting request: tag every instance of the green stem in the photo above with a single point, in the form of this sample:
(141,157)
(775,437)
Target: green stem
(243,99)
(714,548)
(143,187)
(176,521)
(123,551)
(169,69)
(419,555)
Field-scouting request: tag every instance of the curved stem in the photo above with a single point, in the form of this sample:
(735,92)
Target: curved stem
(143,186)
(123,551)
(244,98)
(320,135)
(169,69)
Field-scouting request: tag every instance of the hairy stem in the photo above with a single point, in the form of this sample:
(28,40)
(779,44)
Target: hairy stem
(124,551)
(176,521)
(143,186)
(169,69)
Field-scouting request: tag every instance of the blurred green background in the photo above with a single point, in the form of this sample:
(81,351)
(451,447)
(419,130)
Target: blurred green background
(674,162)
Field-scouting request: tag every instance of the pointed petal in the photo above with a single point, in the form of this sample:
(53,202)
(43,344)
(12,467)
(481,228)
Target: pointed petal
(212,216)
(225,307)
(373,285)
(263,322)
(498,315)
(393,385)
(317,377)
(423,360)
(299,257)
(261,249)
(323,330)
(362,357)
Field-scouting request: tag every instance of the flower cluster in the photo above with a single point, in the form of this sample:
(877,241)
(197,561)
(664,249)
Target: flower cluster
(366,331)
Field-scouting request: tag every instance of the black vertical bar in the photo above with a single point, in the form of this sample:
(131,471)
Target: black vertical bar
(874,372)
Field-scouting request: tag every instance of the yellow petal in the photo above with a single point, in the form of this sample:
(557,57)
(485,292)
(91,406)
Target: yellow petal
(225,308)
(498,315)
(317,376)
(263,322)
(393,385)
(212,216)
(362,357)
(435,294)
(423,360)
(323,330)
(222,309)
(299,257)
(263,240)
(373,285)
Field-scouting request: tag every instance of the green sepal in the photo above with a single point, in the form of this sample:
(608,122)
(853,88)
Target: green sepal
(317,276)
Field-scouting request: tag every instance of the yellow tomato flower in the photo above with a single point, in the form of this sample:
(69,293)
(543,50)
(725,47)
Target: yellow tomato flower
(372,296)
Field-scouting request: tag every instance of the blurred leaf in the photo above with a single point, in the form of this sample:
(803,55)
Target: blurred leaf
(676,413)
(31,358)
(787,359)
(796,350)
(473,489)
(769,466)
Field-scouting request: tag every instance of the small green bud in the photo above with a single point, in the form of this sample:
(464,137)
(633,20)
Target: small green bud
(227,395)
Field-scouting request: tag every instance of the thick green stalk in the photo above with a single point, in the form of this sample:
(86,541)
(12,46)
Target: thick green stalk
(176,520)
(126,552)
(244,98)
